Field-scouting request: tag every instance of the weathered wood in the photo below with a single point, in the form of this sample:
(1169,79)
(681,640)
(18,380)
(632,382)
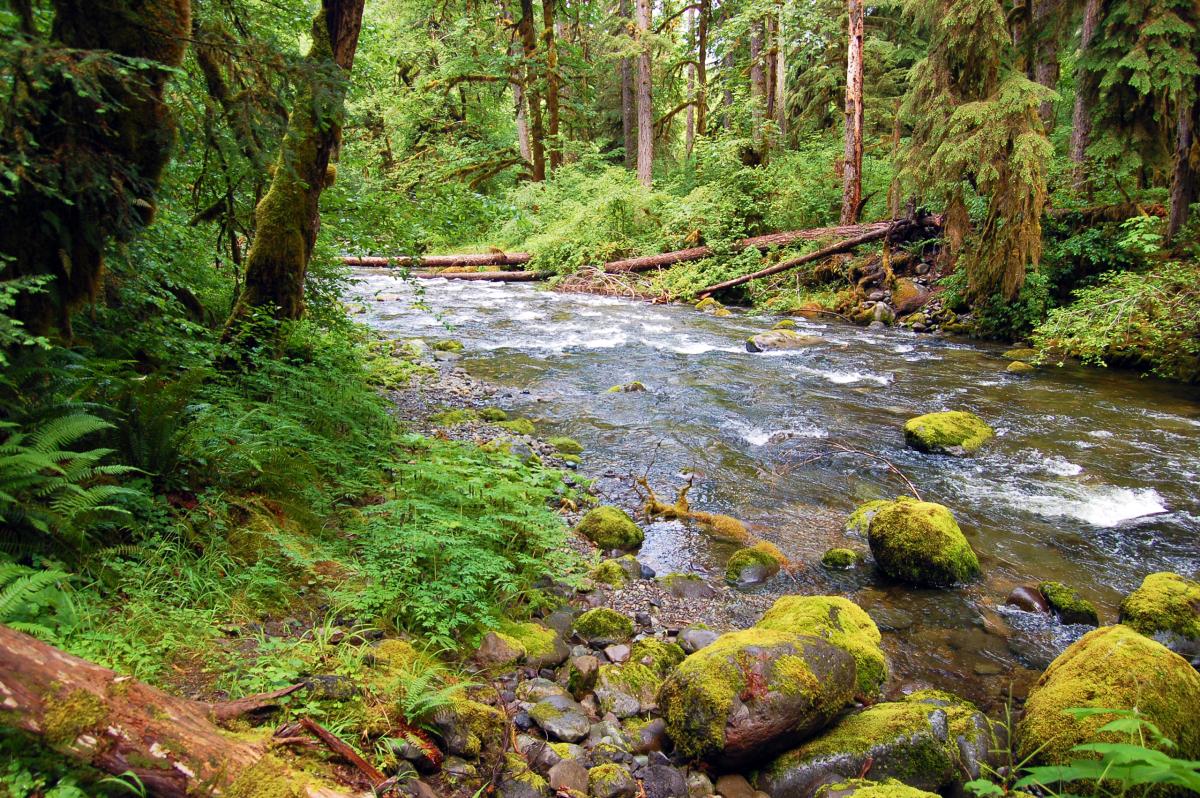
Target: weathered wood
(494,277)
(443,261)
(118,724)
(853,150)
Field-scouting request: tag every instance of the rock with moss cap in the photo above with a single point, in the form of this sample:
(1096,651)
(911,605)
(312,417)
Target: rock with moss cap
(627,690)
(468,727)
(1021,354)
(860,520)
(566,445)
(1068,605)
(1113,667)
(780,340)
(518,780)
(603,626)
(611,781)
(712,307)
(750,693)
(610,572)
(866,788)
(610,528)
(629,387)
(754,564)
(931,740)
(952,432)
(842,623)
(448,345)
(659,656)
(920,542)
(839,559)
(1019,367)
(561,718)
(1166,605)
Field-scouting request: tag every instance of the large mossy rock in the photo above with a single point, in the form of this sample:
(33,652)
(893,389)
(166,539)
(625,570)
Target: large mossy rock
(750,693)
(865,788)
(842,623)
(779,340)
(952,432)
(1113,667)
(920,542)
(610,528)
(931,740)
(1165,604)
(603,627)
(1066,603)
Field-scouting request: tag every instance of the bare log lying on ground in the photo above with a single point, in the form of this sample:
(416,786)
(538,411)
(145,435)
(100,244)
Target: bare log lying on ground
(664,259)
(495,277)
(891,230)
(444,261)
(118,725)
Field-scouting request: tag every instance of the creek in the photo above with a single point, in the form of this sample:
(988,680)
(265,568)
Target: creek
(1091,479)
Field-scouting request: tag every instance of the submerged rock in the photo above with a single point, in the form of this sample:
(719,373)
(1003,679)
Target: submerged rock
(1116,668)
(1028,599)
(920,542)
(954,432)
(629,387)
(777,340)
(610,528)
(754,564)
(1019,367)
(1021,354)
(840,622)
(748,693)
(1165,602)
(931,740)
(1068,605)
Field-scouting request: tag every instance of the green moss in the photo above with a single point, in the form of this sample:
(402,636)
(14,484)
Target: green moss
(659,655)
(1017,367)
(571,458)
(629,387)
(518,770)
(792,676)
(269,777)
(920,542)
(841,559)
(865,788)
(493,414)
(610,528)
(842,623)
(566,445)
(520,426)
(1021,355)
(1165,602)
(632,678)
(1113,667)
(1068,604)
(609,572)
(534,639)
(603,623)
(860,519)
(721,527)
(951,432)
(784,324)
(480,724)
(394,655)
(564,750)
(762,555)
(607,774)
(67,717)
(449,345)
(451,418)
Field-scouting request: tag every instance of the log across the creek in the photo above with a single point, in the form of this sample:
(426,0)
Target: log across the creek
(443,261)
(120,725)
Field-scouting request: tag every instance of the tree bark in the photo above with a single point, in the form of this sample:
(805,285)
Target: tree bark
(552,83)
(287,219)
(520,115)
(780,87)
(645,107)
(120,725)
(628,116)
(533,97)
(689,134)
(852,170)
(758,84)
(1046,68)
(702,67)
(444,261)
(1086,92)
(1183,179)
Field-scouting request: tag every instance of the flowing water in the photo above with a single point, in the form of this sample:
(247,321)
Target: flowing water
(1091,480)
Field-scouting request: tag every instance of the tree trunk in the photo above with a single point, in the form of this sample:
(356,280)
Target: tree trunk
(1086,91)
(702,66)
(852,172)
(552,84)
(120,725)
(287,219)
(519,106)
(780,87)
(758,84)
(689,134)
(1046,69)
(1183,180)
(628,116)
(727,92)
(645,107)
(533,97)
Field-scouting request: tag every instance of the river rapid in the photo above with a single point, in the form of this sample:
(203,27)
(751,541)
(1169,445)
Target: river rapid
(1092,479)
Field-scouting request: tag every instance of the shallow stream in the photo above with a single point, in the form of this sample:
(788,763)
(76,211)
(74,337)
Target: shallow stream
(1092,479)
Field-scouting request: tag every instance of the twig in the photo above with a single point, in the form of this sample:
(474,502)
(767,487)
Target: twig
(344,751)
(842,448)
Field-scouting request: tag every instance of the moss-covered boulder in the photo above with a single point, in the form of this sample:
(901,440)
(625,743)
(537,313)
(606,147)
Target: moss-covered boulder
(785,324)
(713,307)
(839,559)
(468,727)
(493,414)
(518,780)
(659,656)
(1166,603)
(448,345)
(1068,605)
(779,340)
(860,520)
(1019,367)
(931,741)
(750,693)
(866,788)
(1113,667)
(566,445)
(627,690)
(754,564)
(611,780)
(561,717)
(603,626)
(610,572)
(1022,354)
(520,426)
(610,528)
(920,542)
(840,622)
(952,432)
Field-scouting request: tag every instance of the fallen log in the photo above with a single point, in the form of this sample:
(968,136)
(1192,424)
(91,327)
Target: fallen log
(120,725)
(442,261)
(495,277)
(894,229)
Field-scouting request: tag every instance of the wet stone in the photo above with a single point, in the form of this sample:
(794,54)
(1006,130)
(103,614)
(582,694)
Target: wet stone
(617,653)
(734,786)
(692,639)
(568,775)
(664,781)
(1028,599)
(562,718)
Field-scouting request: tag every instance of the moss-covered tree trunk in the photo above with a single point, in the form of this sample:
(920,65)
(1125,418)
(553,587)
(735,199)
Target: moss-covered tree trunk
(287,219)
(92,137)
(645,105)
(120,725)
(853,150)
(1184,188)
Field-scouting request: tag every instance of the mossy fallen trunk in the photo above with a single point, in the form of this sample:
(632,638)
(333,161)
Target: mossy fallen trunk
(287,218)
(120,725)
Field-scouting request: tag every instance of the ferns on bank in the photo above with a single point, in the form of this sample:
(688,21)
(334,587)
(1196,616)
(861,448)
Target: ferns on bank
(33,601)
